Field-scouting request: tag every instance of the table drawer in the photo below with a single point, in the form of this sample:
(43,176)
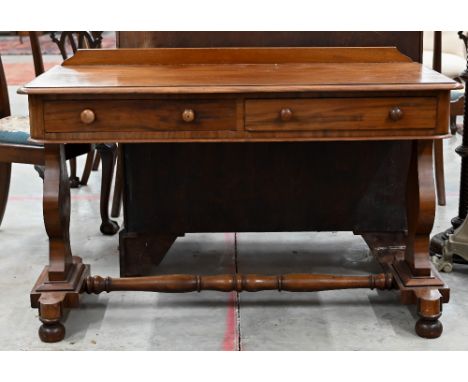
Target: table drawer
(139,115)
(340,114)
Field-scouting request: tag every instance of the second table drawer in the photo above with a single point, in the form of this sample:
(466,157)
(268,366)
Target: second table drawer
(139,115)
(340,114)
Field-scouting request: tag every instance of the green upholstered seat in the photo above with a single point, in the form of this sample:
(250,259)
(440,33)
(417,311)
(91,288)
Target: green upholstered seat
(15,130)
(455,95)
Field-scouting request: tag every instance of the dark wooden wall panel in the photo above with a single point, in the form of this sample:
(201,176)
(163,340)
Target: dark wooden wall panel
(409,43)
(225,187)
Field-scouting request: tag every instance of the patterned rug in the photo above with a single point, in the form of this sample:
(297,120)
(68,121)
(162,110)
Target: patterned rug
(13,45)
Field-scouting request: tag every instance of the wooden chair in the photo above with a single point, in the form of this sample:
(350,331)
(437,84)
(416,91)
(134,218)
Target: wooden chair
(17,147)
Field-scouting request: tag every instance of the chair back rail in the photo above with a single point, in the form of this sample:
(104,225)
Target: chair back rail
(36,53)
(76,40)
(437,56)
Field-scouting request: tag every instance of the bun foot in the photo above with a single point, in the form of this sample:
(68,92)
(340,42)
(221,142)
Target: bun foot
(109,227)
(428,328)
(51,331)
(429,303)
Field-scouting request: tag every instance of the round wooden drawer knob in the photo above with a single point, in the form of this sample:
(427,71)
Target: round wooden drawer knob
(396,114)
(285,114)
(188,115)
(87,116)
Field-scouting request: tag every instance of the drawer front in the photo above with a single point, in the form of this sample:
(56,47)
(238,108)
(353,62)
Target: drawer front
(139,115)
(340,114)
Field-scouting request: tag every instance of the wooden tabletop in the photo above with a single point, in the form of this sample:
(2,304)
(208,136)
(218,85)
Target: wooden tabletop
(236,70)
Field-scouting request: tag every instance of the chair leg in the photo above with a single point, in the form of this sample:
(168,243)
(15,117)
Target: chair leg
(453,124)
(439,171)
(97,159)
(118,186)
(108,153)
(74,180)
(40,170)
(87,168)
(5,175)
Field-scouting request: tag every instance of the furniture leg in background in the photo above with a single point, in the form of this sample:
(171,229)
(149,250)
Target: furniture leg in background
(97,160)
(87,168)
(108,154)
(74,180)
(439,171)
(5,175)
(438,144)
(118,186)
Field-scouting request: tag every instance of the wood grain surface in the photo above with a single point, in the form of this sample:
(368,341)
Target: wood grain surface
(139,71)
(340,114)
(141,115)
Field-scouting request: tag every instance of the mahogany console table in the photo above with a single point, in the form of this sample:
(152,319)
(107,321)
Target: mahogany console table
(319,139)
